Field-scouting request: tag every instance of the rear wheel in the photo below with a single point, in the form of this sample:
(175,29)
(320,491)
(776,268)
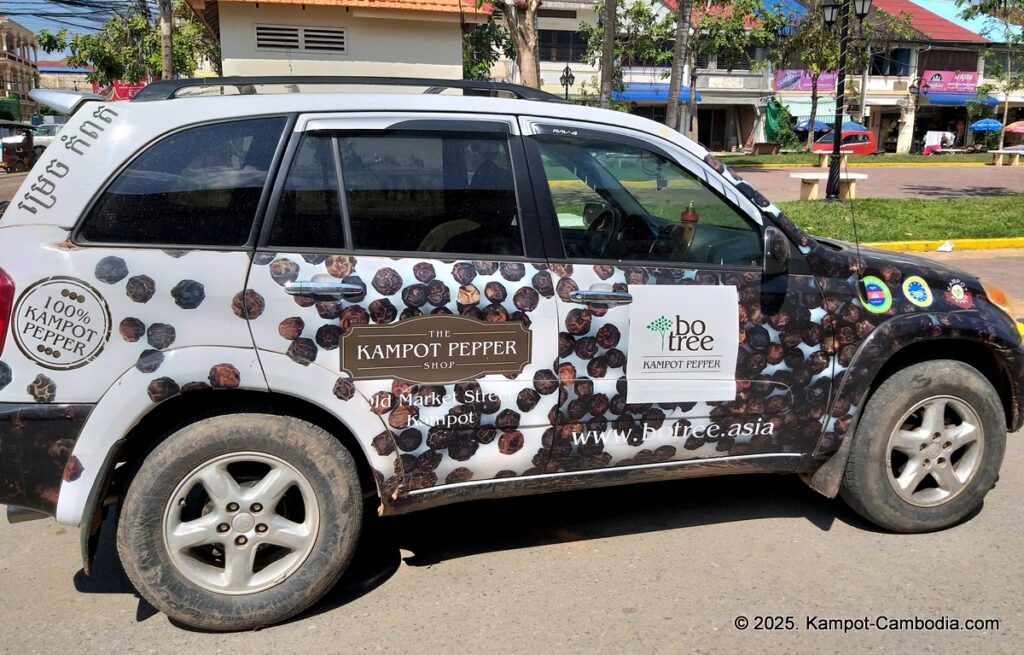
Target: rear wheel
(240,521)
(927,449)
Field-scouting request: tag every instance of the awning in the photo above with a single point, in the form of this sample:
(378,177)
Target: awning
(800,108)
(957,99)
(648,91)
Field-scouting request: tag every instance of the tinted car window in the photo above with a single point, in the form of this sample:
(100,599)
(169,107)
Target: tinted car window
(443,192)
(309,213)
(620,202)
(197,187)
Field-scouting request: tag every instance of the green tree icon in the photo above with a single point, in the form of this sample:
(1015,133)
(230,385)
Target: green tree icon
(662,325)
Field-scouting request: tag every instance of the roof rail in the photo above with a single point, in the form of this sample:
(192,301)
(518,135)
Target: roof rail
(64,102)
(167,89)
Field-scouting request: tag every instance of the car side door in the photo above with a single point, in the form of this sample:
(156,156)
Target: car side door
(674,344)
(406,291)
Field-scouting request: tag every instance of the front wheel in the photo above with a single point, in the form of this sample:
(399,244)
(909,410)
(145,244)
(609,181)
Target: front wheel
(927,449)
(240,521)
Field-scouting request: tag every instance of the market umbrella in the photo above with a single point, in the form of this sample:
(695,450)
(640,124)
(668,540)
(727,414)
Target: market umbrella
(852,126)
(1016,128)
(819,126)
(986,125)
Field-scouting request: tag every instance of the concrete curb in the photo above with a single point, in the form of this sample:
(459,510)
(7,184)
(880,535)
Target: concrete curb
(959,244)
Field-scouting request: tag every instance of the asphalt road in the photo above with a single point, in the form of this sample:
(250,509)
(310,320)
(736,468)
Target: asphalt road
(658,568)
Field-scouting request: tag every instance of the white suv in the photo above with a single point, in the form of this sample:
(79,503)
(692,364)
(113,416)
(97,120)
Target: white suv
(240,318)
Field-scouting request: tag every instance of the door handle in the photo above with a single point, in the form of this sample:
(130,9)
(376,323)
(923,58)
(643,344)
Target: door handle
(601,297)
(311,288)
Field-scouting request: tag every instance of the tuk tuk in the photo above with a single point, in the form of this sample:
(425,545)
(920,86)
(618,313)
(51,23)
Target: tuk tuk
(17,151)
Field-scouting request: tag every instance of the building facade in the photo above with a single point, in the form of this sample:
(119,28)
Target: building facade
(18,71)
(391,38)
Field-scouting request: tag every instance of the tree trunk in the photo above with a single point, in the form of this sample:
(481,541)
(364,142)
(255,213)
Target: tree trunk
(691,107)
(166,39)
(679,54)
(814,110)
(521,20)
(608,53)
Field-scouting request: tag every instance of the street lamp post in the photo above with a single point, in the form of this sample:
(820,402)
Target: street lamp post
(567,79)
(834,10)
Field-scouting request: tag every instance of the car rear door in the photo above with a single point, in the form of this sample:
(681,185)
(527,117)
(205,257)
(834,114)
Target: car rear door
(673,343)
(406,291)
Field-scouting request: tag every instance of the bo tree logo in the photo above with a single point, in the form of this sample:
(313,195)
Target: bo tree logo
(662,325)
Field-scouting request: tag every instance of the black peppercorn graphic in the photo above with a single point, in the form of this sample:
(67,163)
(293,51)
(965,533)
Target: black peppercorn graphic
(189,387)
(263,258)
(42,389)
(495,313)
(132,329)
(604,271)
(111,270)
(542,283)
(597,367)
(291,328)
(526,299)
(329,309)
(527,400)
(422,480)
(414,295)
(577,321)
(565,286)
(340,266)
(460,474)
(387,281)
(161,389)
(438,293)
(403,416)
(357,281)
(507,419)
(188,294)
(424,271)
(382,311)
(224,376)
(248,304)
(586,347)
(440,310)
(5,375)
(382,402)
(160,335)
(576,409)
(304,301)
(438,438)
(409,312)
(495,292)
(615,358)
(328,336)
(315,260)
(140,288)
(430,396)
(383,443)
(485,268)
(520,317)
(283,271)
(352,316)
(566,373)
(409,440)
(149,361)
(462,446)
(485,435)
(566,344)
(302,351)
(464,273)
(428,461)
(545,382)
(511,442)
(608,336)
(512,272)
(598,404)
(344,389)
(468,295)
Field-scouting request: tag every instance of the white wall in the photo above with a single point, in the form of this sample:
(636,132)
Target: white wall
(417,44)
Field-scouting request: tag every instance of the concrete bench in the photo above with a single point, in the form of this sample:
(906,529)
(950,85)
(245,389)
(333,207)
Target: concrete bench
(809,183)
(997,157)
(824,157)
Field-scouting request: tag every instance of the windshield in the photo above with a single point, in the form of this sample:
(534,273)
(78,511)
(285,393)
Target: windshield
(826,138)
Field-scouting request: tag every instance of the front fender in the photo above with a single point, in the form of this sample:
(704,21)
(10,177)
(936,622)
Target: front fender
(133,396)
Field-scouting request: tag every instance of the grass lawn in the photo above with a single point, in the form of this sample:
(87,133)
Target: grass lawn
(888,219)
(811,160)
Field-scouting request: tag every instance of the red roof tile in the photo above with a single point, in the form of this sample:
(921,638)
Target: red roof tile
(931,25)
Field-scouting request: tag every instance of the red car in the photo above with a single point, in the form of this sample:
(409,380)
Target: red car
(857,142)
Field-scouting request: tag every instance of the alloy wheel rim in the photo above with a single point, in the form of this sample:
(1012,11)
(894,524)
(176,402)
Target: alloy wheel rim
(935,451)
(241,523)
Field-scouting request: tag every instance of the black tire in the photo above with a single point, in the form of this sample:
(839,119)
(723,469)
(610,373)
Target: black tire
(867,487)
(19,167)
(327,467)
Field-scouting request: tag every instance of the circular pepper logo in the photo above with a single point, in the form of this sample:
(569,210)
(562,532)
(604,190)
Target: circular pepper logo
(877,299)
(61,323)
(917,292)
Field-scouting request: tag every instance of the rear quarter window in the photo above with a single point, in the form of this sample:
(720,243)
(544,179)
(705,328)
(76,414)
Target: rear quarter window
(197,187)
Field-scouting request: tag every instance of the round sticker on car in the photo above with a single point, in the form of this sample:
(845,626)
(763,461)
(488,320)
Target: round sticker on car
(877,298)
(917,292)
(957,294)
(61,323)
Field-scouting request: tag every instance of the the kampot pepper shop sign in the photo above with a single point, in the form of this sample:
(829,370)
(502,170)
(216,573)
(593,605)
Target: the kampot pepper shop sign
(682,343)
(435,349)
(950,81)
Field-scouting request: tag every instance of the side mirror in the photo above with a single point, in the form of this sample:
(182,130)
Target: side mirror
(776,251)
(662,181)
(592,210)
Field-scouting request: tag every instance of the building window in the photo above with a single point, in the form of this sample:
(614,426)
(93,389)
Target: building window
(556,13)
(948,60)
(561,45)
(309,39)
(736,61)
(703,61)
(895,62)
